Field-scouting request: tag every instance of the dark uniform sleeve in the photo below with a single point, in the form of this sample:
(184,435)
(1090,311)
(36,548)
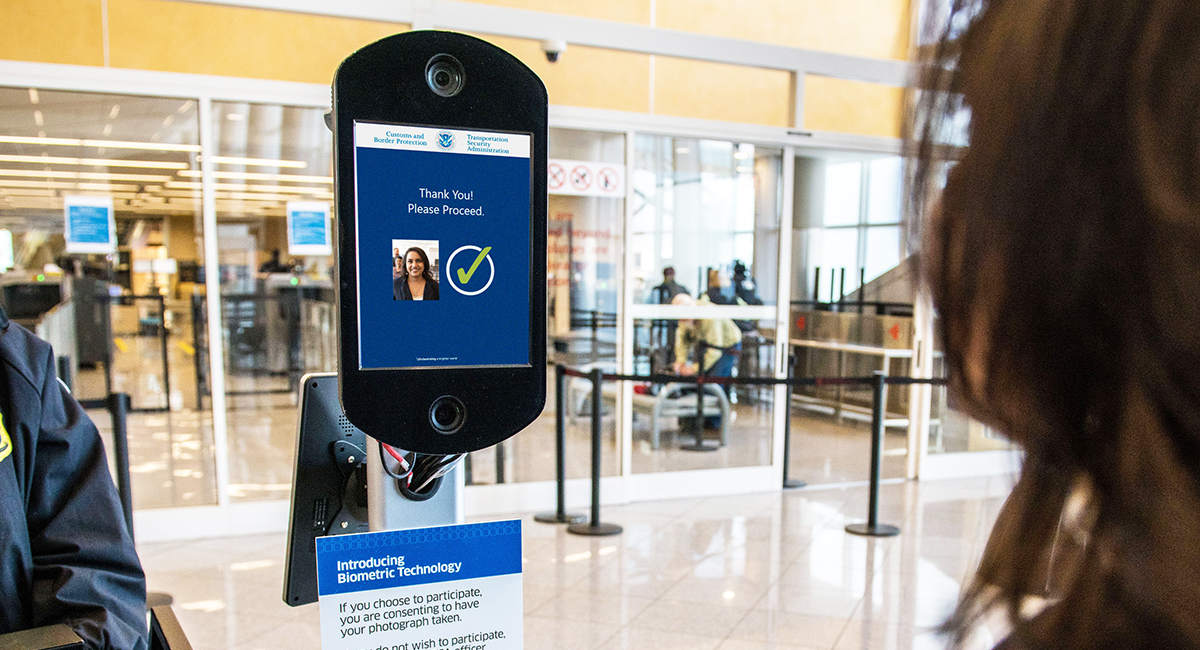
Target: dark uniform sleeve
(86,572)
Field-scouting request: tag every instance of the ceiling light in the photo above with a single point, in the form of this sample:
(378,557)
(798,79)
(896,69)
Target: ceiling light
(253,196)
(108,129)
(107,187)
(259,162)
(185,107)
(682,150)
(741,155)
(235,117)
(167,120)
(96,162)
(253,176)
(114,144)
(37,173)
(37,118)
(33,96)
(116,110)
(242,187)
(104,176)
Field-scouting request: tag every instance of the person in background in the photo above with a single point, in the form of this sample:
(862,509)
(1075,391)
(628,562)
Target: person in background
(722,343)
(66,556)
(664,293)
(1062,256)
(744,287)
(274,265)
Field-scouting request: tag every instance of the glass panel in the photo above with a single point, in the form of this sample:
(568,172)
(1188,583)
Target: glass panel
(952,430)
(883,250)
(883,190)
(277,308)
(832,334)
(585,249)
(706,219)
(126,322)
(843,193)
(709,211)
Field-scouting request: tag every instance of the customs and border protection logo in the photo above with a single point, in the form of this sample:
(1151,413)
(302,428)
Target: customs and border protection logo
(445,140)
(5,441)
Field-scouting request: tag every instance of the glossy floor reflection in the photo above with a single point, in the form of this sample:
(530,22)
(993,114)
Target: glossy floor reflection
(729,573)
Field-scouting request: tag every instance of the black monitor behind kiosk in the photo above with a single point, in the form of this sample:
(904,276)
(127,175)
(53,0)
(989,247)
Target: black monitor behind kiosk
(329,485)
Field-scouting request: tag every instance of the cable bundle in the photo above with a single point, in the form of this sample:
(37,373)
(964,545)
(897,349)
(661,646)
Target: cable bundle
(419,470)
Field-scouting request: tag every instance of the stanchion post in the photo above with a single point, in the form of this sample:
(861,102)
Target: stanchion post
(698,444)
(788,482)
(164,335)
(873,528)
(118,408)
(560,516)
(594,527)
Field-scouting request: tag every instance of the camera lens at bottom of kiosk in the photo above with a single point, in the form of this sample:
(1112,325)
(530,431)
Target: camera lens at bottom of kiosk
(447,414)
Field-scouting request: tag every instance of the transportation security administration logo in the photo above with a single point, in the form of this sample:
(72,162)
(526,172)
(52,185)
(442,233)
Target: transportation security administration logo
(445,140)
(5,442)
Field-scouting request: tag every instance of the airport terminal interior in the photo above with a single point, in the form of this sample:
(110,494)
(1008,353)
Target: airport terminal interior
(751,159)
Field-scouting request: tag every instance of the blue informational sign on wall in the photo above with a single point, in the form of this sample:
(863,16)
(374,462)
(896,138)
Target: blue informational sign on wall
(447,587)
(308,228)
(465,195)
(89,224)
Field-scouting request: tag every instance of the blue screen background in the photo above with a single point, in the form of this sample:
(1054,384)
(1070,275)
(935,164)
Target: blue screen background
(488,329)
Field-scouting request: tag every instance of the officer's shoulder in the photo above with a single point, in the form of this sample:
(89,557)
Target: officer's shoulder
(22,353)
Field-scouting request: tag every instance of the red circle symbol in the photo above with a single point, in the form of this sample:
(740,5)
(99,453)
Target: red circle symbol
(581,178)
(555,176)
(608,180)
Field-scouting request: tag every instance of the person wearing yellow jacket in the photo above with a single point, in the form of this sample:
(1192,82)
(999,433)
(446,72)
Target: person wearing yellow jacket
(722,342)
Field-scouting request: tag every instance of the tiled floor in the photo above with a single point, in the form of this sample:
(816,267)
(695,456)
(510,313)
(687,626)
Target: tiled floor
(731,573)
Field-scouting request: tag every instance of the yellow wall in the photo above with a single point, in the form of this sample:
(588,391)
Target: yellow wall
(68,31)
(874,28)
(625,11)
(172,36)
(235,42)
(852,107)
(586,76)
(714,91)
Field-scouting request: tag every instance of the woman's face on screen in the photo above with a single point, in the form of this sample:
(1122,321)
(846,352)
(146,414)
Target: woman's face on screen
(413,263)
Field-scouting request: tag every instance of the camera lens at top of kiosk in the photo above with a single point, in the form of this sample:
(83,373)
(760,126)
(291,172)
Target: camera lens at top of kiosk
(445,75)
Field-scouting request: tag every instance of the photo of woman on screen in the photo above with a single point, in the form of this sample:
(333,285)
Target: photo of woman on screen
(417,283)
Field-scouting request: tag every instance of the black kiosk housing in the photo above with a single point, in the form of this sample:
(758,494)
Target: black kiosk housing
(398,80)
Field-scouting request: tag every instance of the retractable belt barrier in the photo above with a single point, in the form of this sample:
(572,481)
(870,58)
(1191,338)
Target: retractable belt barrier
(576,522)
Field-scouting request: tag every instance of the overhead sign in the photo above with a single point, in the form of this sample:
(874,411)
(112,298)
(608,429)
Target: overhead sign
(442,588)
(89,224)
(581,178)
(308,228)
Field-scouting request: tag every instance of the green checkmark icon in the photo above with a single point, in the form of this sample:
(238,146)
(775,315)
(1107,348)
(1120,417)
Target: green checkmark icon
(465,276)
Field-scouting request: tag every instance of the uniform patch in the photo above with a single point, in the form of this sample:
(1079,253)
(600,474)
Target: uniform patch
(5,441)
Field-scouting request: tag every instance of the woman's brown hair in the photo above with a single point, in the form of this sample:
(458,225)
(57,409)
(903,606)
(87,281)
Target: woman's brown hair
(1064,260)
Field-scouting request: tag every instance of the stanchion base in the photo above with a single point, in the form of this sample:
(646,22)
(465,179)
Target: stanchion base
(595,530)
(157,598)
(793,483)
(555,518)
(878,530)
(699,446)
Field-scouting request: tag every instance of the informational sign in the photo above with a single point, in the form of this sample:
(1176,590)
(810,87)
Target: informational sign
(442,588)
(308,228)
(580,178)
(89,226)
(442,223)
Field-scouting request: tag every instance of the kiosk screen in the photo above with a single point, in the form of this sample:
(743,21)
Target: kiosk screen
(442,227)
